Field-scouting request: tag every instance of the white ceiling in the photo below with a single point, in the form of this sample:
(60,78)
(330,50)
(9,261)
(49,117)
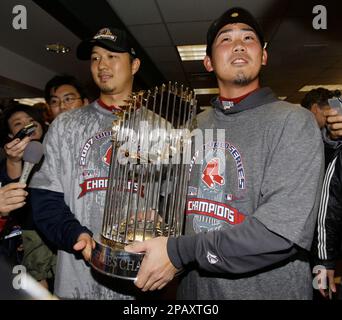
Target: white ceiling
(23,54)
(298,54)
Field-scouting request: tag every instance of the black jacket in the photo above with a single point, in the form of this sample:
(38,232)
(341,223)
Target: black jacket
(327,242)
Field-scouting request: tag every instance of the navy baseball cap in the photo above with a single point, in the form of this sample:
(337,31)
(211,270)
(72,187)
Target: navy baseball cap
(233,15)
(112,39)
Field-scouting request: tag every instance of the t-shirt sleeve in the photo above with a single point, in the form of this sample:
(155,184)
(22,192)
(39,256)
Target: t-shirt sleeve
(49,176)
(291,187)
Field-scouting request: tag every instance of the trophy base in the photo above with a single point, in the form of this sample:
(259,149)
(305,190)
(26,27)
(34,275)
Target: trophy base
(110,258)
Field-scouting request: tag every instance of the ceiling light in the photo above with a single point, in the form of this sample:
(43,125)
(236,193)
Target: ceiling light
(57,48)
(191,53)
(331,87)
(206,91)
(282,98)
(30,101)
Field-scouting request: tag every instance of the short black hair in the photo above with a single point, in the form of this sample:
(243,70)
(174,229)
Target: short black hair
(36,115)
(60,80)
(319,96)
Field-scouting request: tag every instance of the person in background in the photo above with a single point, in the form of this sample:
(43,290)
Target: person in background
(12,197)
(62,93)
(326,248)
(45,110)
(37,256)
(327,118)
(13,120)
(327,242)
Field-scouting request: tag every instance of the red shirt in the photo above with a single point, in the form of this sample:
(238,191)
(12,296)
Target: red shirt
(3,221)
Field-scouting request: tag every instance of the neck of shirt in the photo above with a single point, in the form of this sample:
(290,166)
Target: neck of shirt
(236,100)
(111,108)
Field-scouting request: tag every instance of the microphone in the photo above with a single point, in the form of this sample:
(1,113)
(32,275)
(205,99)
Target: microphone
(32,155)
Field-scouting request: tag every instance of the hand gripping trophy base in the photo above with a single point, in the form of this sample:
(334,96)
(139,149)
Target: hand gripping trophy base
(109,258)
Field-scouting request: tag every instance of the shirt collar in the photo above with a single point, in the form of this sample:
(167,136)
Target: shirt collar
(111,108)
(228,103)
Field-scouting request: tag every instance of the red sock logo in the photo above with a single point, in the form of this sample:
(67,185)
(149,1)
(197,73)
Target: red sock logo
(108,155)
(211,175)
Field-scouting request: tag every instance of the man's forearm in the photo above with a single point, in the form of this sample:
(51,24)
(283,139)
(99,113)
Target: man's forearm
(54,219)
(249,247)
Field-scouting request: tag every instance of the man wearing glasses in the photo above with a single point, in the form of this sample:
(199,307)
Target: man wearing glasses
(64,93)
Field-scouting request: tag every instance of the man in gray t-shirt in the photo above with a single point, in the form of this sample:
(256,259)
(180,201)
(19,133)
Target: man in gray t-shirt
(68,192)
(254,185)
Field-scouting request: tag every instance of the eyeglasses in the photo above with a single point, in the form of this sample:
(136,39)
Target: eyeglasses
(67,101)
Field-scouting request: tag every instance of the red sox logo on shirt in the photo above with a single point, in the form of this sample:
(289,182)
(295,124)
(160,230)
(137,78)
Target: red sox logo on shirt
(95,179)
(214,168)
(108,155)
(211,175)
(214,202)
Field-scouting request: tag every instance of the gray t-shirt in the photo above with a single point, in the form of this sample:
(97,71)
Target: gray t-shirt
(268,166)
(77,158)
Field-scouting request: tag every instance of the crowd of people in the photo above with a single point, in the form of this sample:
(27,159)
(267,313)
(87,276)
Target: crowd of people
(283,194)
(21,242)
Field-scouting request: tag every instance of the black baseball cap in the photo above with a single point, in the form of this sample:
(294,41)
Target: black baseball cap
(109,38)
(233,15)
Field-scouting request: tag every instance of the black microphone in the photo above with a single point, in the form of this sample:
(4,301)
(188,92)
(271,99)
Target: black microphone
(32,155)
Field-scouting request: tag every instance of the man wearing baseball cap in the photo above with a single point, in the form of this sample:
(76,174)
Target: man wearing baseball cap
(112,39)
(69,190)
(250,222)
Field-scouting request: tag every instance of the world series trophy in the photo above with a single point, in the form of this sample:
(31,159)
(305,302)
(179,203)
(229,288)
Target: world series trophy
(148,176)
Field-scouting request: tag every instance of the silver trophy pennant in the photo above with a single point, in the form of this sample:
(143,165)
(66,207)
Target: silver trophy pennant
(148,176)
